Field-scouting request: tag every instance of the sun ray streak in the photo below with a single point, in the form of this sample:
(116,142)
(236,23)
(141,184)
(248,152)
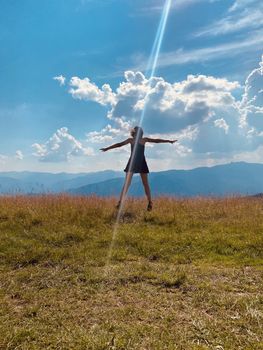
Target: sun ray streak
(150,72)
(153,60)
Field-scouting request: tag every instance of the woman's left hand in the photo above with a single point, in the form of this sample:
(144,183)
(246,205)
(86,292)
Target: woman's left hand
(173,141)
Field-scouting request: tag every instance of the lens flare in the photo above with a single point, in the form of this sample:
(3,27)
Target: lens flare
(153,60)
(150,72)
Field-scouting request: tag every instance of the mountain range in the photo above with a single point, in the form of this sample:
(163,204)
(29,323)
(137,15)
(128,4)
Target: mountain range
(27,182)
(230,179)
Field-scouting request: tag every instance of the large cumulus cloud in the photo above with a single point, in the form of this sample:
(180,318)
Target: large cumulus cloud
(60,147)
(202,111)
(251,105)
(168,107)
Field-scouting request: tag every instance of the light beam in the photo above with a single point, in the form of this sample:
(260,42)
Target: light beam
(150,72)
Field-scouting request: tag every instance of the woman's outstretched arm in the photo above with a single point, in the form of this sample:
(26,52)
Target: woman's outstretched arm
(148,139)
(116,145)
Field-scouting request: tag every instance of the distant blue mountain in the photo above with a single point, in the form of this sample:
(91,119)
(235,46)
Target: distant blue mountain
(230,179)
(7,184)
(85,179)
(37,182)
(31,182)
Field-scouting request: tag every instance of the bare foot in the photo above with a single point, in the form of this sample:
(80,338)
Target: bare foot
(150,206)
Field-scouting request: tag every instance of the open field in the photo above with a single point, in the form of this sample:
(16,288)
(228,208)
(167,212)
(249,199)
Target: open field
(188,275)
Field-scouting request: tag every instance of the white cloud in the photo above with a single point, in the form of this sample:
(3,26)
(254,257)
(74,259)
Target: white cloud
(60,79)
(254,156)
(19,155)
(241,16)
(240,4)
(181,56)
(60,147)
(106,134)
(251,105)
(3,159)
(249,18)
(84,89)
(250,43)
(221,123)
(201,111)
(170,107)
(156,6)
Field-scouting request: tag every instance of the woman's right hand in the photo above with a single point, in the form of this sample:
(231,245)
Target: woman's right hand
(103,149)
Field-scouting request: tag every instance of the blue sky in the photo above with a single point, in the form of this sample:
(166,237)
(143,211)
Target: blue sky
(209,91)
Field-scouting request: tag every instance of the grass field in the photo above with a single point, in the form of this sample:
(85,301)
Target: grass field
(188,275)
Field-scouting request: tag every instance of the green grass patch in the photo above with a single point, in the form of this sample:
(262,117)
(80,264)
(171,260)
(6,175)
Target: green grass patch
(188,275)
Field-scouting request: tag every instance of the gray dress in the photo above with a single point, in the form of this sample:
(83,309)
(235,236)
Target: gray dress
(137,162)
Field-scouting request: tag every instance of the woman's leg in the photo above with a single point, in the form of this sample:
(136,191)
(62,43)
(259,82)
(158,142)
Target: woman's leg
(125,186)
(146,186)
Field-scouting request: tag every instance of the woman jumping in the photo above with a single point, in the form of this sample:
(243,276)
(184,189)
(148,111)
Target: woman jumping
(137,162)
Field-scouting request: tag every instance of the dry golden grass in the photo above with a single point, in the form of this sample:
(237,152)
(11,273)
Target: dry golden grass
(186,276)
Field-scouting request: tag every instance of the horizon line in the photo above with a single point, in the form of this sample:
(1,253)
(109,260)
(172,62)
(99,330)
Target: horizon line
(120,171)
